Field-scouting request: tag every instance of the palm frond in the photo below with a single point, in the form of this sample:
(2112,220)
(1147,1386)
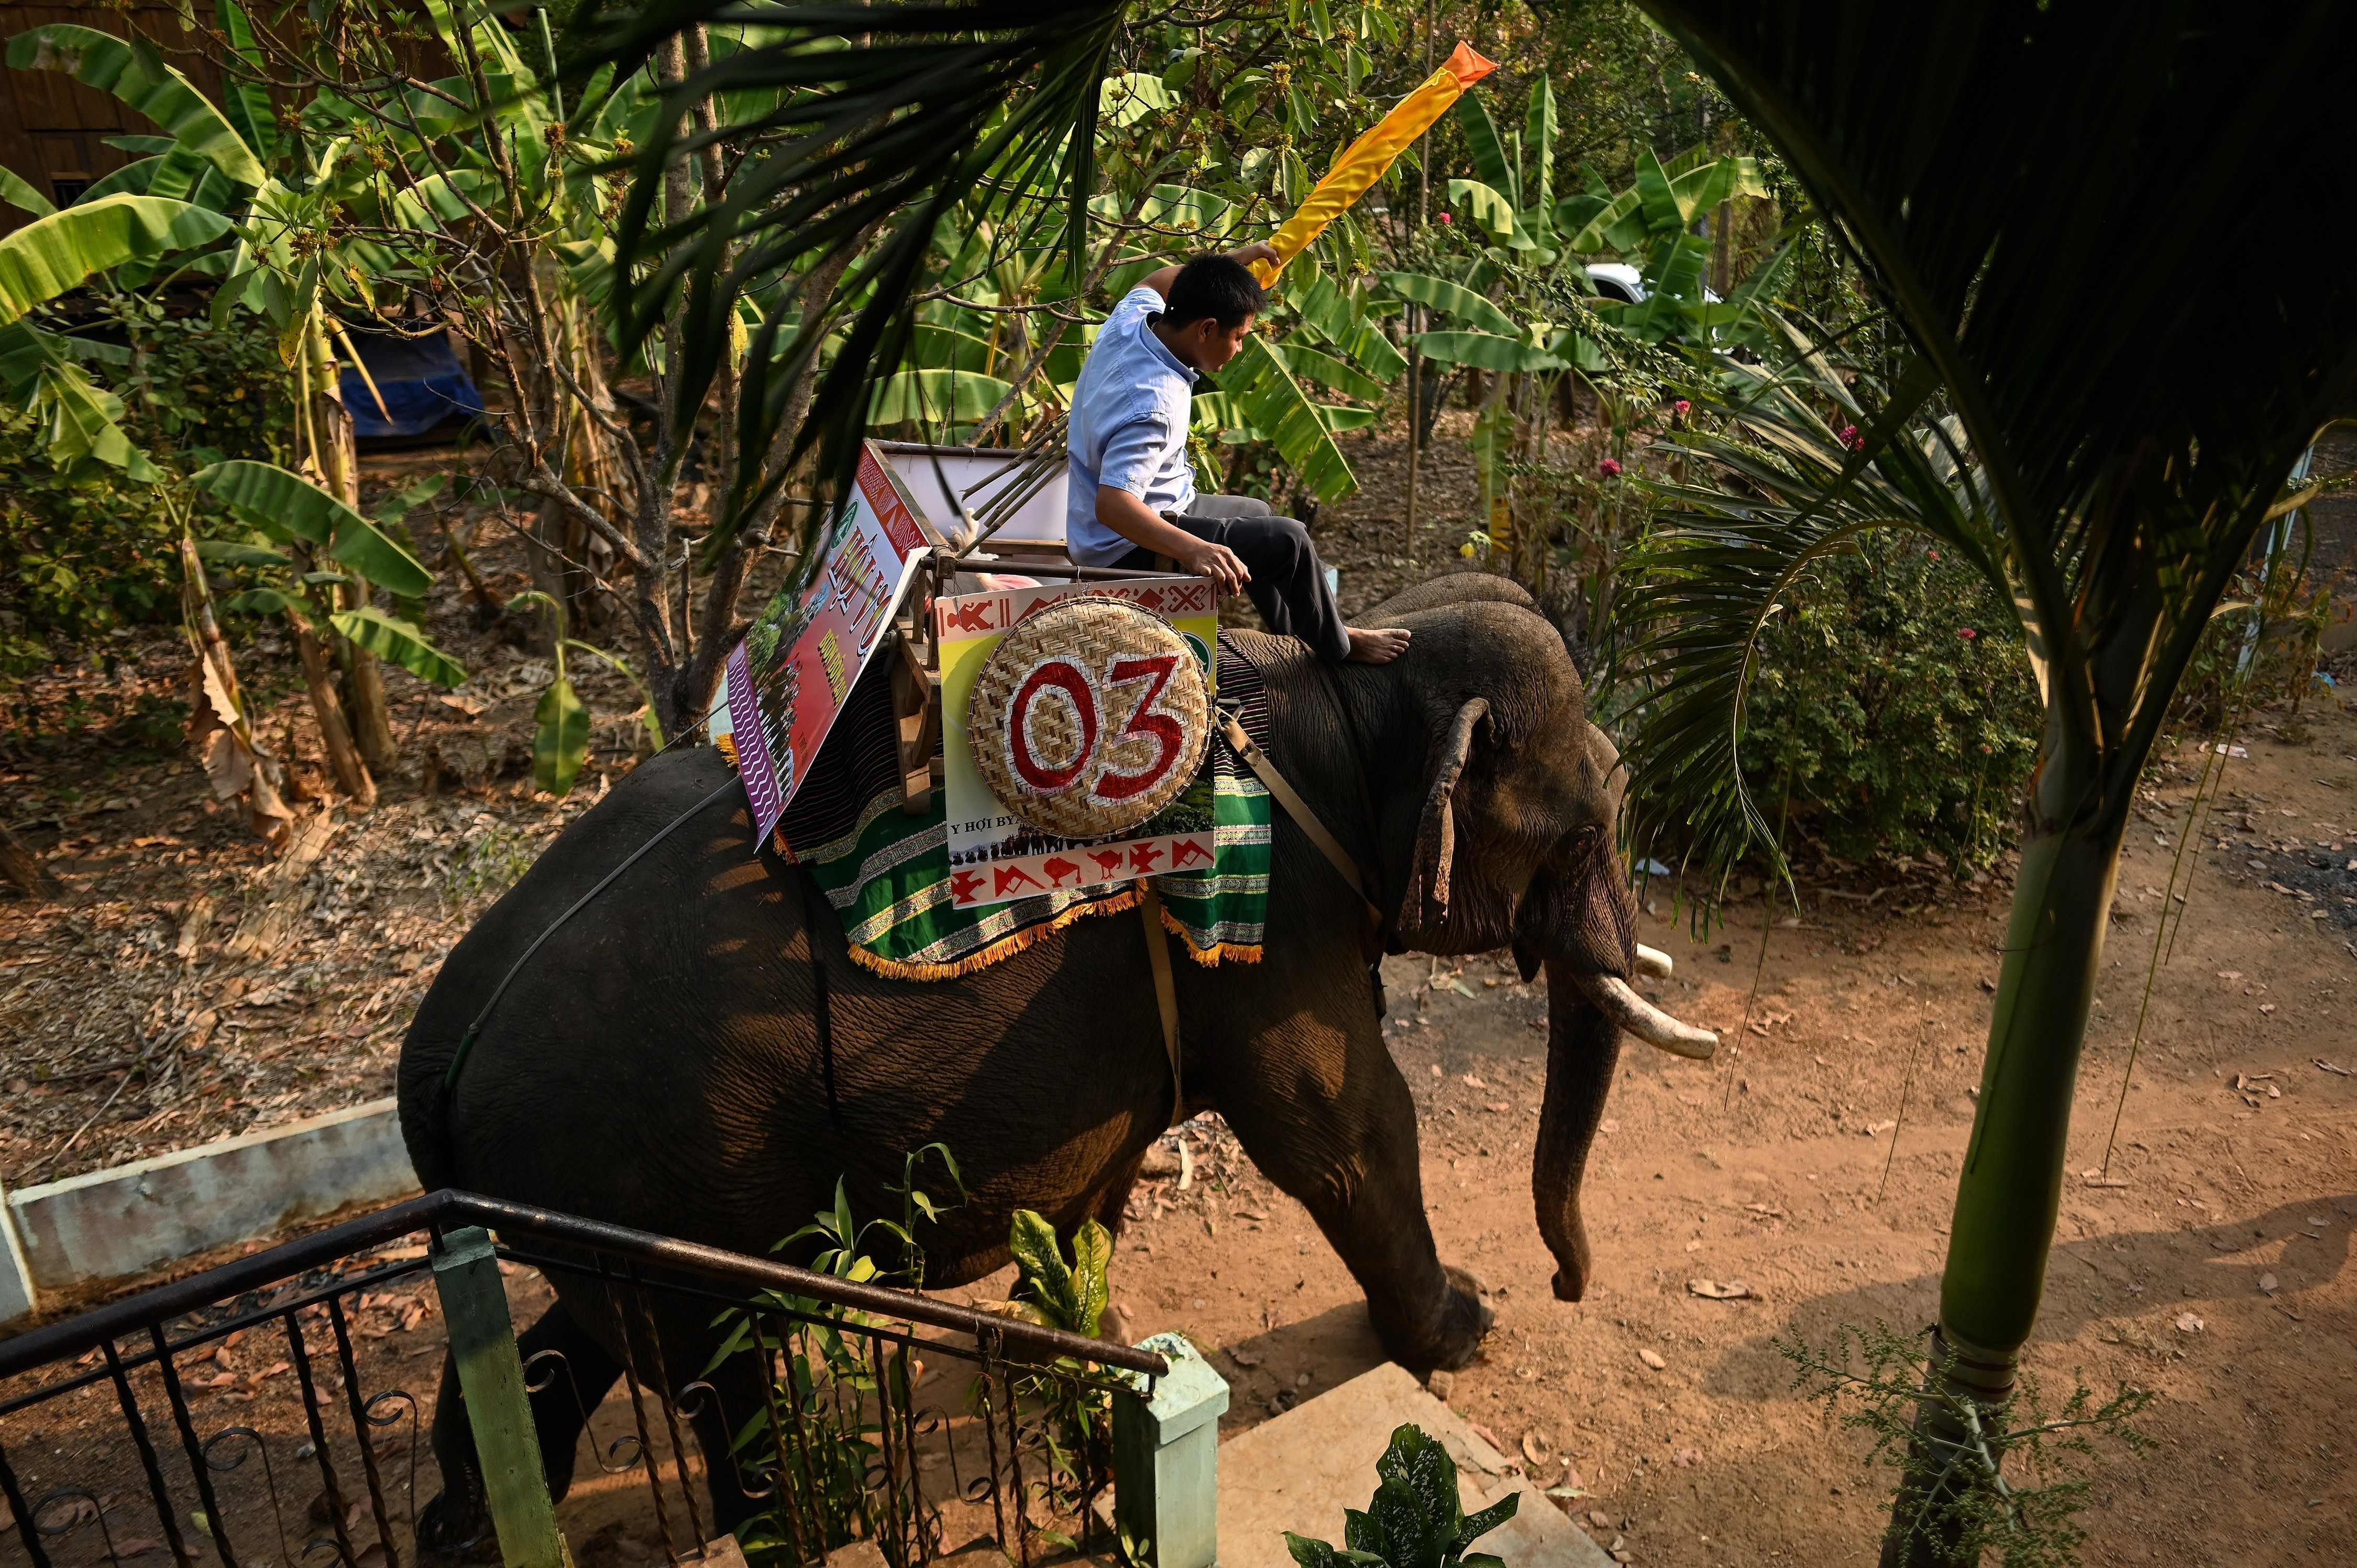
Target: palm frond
(1780,488)
(2044,194)
(869,126)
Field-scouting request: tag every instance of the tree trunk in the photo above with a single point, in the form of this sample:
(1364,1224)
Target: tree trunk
(2011,1185)
(23,867)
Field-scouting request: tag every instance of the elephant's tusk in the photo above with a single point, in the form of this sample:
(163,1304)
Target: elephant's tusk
(1652,962)
(1635,1015)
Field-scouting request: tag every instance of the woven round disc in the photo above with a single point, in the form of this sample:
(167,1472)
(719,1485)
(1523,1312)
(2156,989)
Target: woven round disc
(1089,717)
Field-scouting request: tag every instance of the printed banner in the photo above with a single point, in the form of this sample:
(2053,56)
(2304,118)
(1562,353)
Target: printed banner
(787,681)
(994,856)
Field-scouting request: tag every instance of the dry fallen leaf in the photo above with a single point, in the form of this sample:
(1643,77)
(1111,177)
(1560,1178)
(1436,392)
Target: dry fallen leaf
(1652,1359)
(2267,1284)
(1714,1290)
(1534,1447)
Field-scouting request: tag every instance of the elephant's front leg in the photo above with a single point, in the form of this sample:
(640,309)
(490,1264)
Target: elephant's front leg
(1323,1111)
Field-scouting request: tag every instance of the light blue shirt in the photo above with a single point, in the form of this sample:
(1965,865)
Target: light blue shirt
(1130,414)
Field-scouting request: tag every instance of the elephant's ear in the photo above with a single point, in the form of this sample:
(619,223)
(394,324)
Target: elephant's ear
(1425,903)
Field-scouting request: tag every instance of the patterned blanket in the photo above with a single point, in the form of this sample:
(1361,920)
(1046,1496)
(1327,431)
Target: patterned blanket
(887,872)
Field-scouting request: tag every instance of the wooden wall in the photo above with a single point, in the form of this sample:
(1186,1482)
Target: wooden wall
(53,130)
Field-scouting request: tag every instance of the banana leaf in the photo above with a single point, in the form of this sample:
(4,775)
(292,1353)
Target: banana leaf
(1489,160)
(65,249)
(398,641)
(937,395)
(1268,396)
(559,739)
(22,197)
(1453,299)
(1487,350)
(75,418)
(283,504)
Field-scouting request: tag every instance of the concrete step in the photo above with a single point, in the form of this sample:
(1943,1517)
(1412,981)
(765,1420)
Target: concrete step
(1300,1472)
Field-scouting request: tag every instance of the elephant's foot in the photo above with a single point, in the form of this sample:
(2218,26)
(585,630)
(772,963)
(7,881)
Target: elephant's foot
(1113,1324)
(1453,1335)
(455,1523)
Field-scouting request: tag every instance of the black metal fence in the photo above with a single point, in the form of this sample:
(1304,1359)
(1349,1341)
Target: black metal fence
(278,1411)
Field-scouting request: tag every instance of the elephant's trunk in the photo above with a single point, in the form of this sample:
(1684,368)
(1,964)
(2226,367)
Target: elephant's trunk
(1583,1048)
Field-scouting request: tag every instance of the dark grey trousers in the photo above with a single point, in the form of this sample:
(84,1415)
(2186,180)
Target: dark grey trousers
(1288,582)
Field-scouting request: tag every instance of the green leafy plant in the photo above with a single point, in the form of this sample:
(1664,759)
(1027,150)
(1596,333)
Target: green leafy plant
(1870,1381)
(485,864)
(826,1403)
(1894,708)
(1416,1519)
(559,739)
(1051,1291)
(1074,1417)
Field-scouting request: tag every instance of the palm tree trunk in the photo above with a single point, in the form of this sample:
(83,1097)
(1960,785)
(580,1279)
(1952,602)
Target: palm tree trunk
(2011,1185)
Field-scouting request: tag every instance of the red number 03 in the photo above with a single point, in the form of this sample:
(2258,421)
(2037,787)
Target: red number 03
(1147,723)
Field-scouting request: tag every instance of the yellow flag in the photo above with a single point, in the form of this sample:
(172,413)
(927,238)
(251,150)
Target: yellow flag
(1364,161)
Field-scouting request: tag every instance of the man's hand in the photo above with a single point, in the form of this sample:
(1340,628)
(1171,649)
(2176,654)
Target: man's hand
(1258,251)
(1131,518)
(1217,562)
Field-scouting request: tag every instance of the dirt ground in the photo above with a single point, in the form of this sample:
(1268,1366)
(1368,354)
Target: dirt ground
(189,988)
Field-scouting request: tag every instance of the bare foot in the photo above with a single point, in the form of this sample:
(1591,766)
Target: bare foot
(1378,645)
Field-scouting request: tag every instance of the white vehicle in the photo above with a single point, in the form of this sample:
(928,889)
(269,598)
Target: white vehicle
(1617,281)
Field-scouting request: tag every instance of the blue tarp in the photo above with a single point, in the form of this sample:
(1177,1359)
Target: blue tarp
(420,381)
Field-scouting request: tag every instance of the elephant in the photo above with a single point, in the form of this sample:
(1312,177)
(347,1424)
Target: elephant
(658,1064)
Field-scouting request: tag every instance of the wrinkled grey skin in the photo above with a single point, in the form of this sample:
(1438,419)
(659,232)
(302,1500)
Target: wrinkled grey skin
(657,1064)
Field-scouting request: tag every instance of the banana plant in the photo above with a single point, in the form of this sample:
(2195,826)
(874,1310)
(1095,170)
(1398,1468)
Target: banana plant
(212,179)
(1654,221)
(320,549)
(560,741)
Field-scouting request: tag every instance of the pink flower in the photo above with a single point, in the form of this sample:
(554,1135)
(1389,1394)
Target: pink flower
(1967,633)
(1850,438)
(1682,408)
(1935,554)
(1609,469)
(1446,218)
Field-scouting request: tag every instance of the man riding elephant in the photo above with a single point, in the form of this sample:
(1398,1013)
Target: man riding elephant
(658,1061)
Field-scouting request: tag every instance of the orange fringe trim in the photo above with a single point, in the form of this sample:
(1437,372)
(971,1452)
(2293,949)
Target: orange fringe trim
(1212,956)
(1005,947)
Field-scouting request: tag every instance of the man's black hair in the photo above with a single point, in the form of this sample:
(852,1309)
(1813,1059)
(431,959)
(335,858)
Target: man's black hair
(1220,287)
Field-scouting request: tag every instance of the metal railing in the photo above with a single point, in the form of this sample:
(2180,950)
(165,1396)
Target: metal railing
(183,1421)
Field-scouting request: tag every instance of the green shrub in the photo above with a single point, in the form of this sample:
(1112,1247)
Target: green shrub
(1416,1520)
(1895,701)
(80,557)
